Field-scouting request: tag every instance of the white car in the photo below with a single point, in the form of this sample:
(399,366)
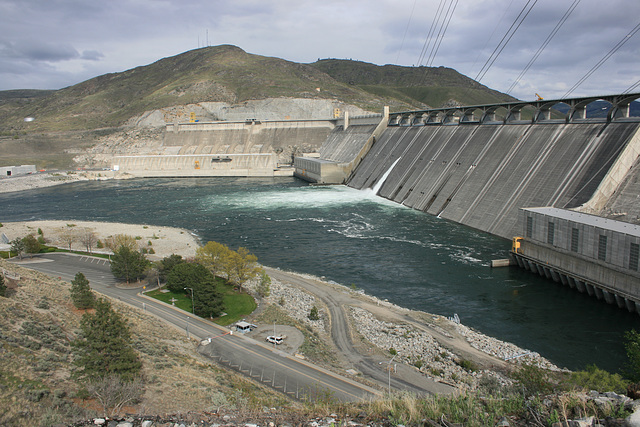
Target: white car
(274,340)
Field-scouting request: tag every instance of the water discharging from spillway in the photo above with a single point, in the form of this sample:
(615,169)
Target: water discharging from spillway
(379,184)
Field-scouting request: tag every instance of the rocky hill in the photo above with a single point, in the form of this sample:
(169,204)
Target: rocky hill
(416,86)
(212,80)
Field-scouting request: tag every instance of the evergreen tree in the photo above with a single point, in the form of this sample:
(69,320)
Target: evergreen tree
(128,264)
(167,264)
(3,287)
(104,347)
(264,287)
(81,294)
(207,299)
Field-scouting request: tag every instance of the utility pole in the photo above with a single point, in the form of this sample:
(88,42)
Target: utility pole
(389,370)
(192,307)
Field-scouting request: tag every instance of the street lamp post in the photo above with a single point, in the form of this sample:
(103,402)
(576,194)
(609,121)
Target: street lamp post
(192,306)
(389,370)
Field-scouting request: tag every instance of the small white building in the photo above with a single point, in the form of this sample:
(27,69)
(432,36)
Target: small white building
(244,327)
(17,170)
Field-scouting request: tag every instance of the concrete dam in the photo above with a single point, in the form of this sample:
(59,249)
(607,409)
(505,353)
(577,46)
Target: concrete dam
(480,175)
(567,191)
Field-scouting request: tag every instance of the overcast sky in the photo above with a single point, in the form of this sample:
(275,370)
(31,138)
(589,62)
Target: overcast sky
(50,44)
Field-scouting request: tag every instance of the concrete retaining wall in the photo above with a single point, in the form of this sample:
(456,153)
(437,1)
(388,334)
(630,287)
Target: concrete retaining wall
(250,148)
(198,165)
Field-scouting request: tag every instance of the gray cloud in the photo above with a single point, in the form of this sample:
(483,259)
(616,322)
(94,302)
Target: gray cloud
(35,50)
(77,39)
(92,55)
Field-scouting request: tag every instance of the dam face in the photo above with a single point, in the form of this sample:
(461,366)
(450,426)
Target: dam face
(480,175)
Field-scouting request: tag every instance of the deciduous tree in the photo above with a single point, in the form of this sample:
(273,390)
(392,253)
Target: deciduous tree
(88,238)
(632,346)
(67,236)
(113,393)
(120,240)
(128,264)
(241,266)
(213,256)
(17,246)
(31,245)
(104,347)
(81,294)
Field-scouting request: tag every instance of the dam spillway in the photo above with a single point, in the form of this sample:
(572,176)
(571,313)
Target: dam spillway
(480,175)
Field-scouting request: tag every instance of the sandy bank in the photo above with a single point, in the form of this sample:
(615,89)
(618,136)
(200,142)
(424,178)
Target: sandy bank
(163,240)
(42,180)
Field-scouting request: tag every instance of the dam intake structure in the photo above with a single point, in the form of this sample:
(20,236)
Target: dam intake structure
(480,165)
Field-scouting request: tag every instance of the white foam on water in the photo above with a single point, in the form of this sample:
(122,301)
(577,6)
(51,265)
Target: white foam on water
(309,197)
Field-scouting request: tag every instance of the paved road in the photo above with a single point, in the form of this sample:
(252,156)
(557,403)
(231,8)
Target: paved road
(375,368)
(294,377)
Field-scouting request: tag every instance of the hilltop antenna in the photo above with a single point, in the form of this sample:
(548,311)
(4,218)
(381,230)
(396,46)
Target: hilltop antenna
(207,37)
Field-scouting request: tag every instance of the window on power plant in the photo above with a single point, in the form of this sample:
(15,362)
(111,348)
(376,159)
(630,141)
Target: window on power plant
(602,248)
(634,253)
(575,235)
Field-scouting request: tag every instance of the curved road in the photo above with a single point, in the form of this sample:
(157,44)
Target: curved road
(375,368)
(294,377)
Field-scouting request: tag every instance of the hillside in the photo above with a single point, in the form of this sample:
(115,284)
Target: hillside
(429,86)
(229,74)
(212,74)
(38,382)
(68,122)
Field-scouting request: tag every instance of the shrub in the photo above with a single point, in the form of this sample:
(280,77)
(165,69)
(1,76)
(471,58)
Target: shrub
(533,379)
(632,346)
(594,378)
(467,365)
(313,313)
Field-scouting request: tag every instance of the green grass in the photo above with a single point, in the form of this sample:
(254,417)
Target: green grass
(237,304)
(183,300)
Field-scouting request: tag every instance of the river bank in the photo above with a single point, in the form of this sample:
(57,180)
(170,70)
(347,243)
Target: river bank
(426,343)
(49,179)
(69,235)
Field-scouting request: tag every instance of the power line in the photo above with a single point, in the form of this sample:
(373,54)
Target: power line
(405,31)
(492,33)
(427,41)
(435,41)
(432,58)
(603,60)
(505,40)
(545,43)
(631,88)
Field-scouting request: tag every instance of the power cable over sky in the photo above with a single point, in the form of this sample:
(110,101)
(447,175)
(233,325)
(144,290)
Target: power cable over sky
(110,37)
